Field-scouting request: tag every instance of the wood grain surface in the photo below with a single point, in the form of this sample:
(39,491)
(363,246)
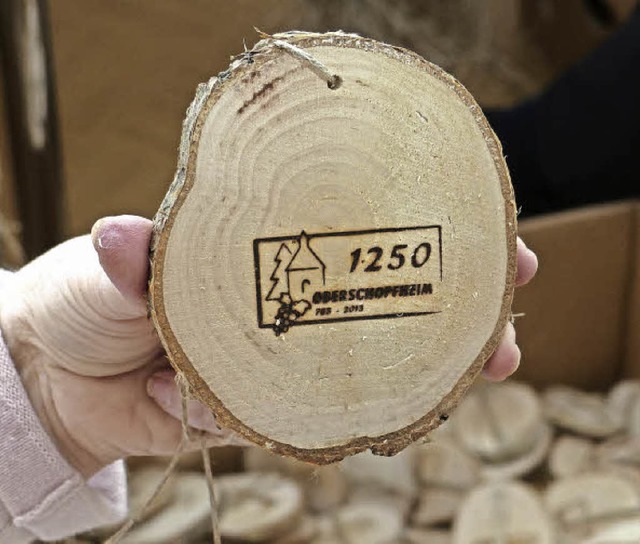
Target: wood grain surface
(334,261)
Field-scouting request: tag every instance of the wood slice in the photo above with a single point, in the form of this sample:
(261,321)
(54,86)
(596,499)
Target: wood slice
(627,472)
(502,512)
(370,520)
(620,450)
(395,474)
(621,399)
(394,501)
(335,259)
(141,484)
(304,533)
(499,421)
(326,531)
(585,502)
(524,463)
(633,421)
(626,531)
(324,487)
(257,506)
(583,413)
(437,505)
(571,455)
(445,464)
(419,535)
(184,519)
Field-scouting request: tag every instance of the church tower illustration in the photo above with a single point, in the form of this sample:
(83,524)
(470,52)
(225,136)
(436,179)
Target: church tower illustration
(306,271)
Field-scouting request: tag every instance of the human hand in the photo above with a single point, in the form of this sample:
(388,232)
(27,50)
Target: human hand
(506,358)
(75,321)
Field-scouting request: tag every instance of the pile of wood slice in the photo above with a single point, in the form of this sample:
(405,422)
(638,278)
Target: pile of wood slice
(509,466)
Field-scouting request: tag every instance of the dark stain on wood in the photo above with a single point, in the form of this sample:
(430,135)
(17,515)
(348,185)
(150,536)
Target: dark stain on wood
(250,77)
(260,93)
(266,89)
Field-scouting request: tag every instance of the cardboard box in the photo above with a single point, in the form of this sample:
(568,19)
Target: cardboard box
(126,72)
(582,322)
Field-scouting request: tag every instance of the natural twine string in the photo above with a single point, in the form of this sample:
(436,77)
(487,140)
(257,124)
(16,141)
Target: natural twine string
(206,459)
(333,80)
(186,438)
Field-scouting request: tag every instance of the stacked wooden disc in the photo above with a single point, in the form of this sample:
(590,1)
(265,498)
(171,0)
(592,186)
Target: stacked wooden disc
(335,259)
(477,479)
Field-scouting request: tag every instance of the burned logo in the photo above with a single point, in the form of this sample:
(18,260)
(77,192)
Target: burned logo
(342,276)
(297,272)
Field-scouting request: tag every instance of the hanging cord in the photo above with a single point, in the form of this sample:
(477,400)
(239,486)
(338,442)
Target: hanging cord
(186,438)
(333,80)
(206,459)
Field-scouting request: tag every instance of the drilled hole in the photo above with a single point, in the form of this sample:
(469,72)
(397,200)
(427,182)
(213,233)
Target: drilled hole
(335,83)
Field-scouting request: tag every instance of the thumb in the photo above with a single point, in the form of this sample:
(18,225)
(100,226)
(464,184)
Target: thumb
(122,244)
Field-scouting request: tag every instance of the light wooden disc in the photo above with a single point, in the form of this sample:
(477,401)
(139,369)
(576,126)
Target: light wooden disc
(332,266)
(445,464)
(370,520)
(419,535)
(257,506)
(621,399)
(502,512)
(571,455)
(437,505)
(323,487)
(524,463)
(588,500)
(188,514)
(619,450)
(499,421)
(584,413)
(396,474)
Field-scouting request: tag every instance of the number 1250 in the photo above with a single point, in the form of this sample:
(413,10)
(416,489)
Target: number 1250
(397,259)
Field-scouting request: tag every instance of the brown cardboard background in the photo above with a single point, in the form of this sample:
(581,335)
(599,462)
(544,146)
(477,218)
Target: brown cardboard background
(126,72)
(11,254)
(632,356)
(575,327)
(7,196)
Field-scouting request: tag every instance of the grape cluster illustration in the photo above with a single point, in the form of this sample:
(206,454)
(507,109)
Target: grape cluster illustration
(288,313)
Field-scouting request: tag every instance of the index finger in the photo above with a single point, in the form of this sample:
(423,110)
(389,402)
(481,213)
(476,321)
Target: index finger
(527,264)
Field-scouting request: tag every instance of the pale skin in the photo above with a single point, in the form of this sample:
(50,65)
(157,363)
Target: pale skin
(75,321)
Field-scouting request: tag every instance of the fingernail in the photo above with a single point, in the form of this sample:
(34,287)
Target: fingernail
(95,233)
(101,235)
(517,365)
(161,386)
